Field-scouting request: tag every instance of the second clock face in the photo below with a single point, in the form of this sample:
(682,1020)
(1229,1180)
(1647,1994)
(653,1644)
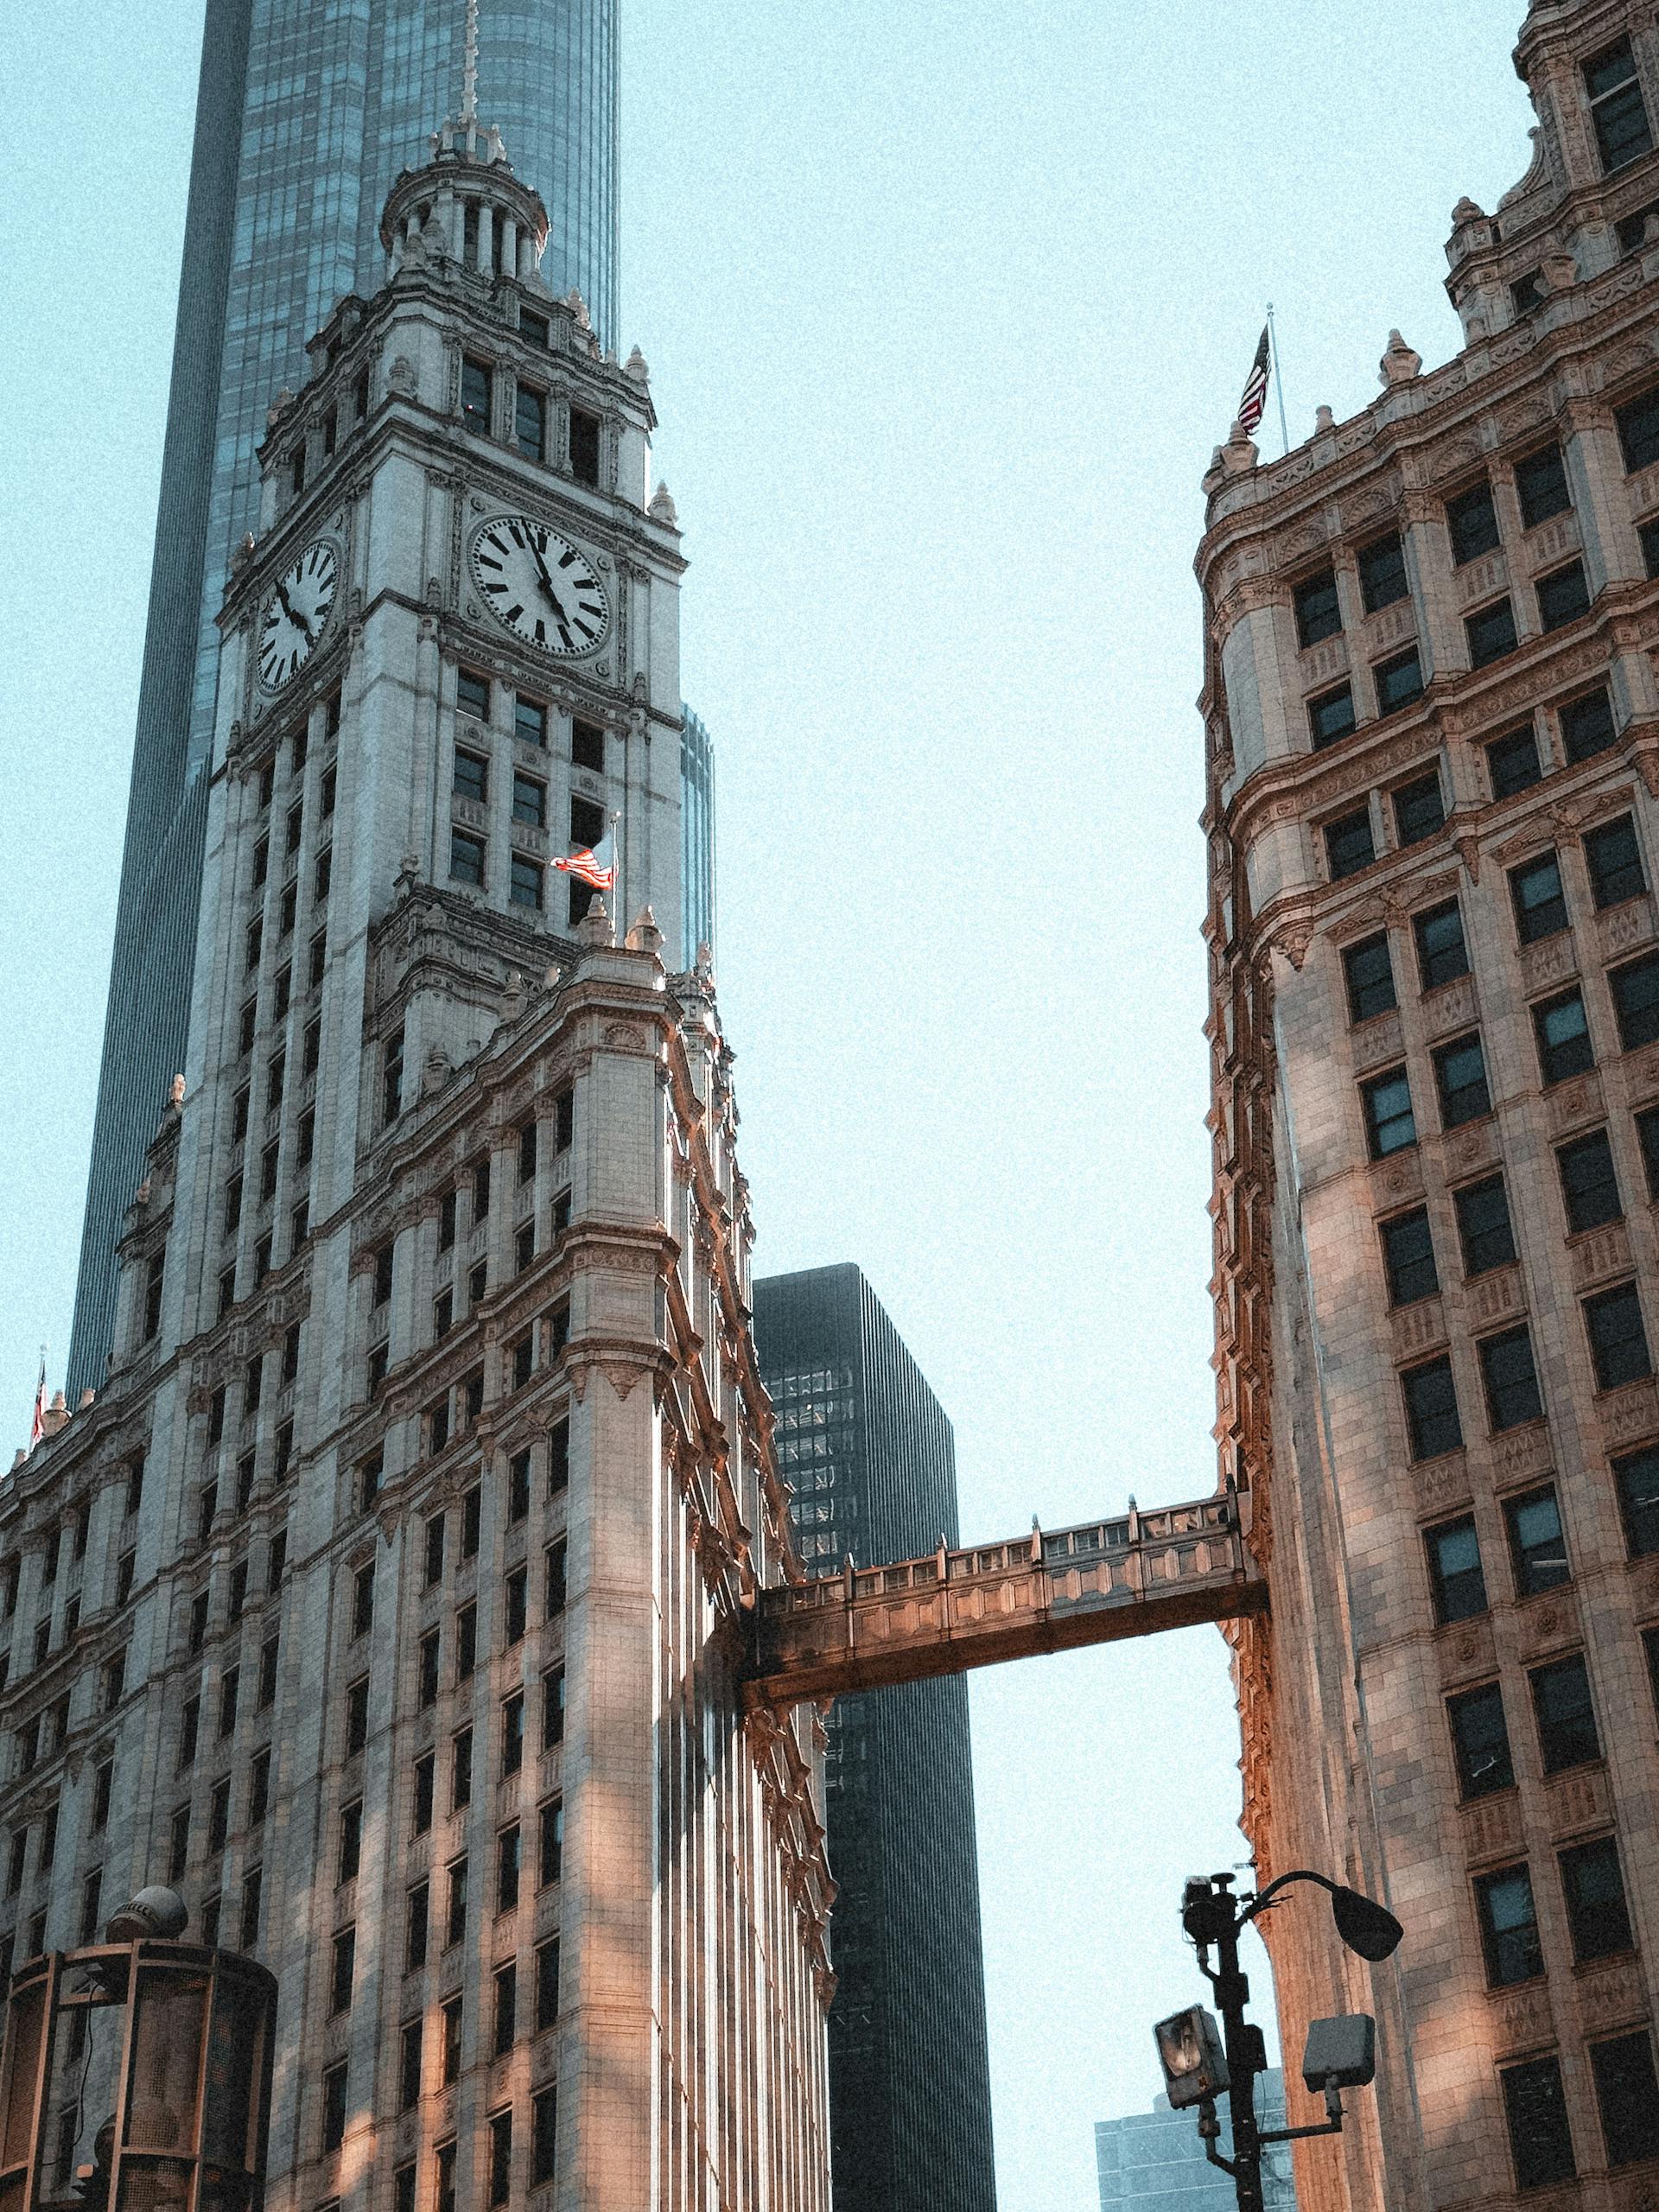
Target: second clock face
(297,614)
(542,588)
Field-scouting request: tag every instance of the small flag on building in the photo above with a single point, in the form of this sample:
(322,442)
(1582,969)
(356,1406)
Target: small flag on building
(37,1425)
(1253,402)
(597,867)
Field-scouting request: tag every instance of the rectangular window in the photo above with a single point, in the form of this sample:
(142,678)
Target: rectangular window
(1408,1257)
(1432,1409)
(1491,633)
(1454,1569)
(1636,1476)
(584,446)
(1563,596)
(1618,1343)
(472,1510)
(1622,132)
(455,1923)
(1383,573)
(351,1840)
(517,1606)
(1537,1544)
(1587,727)
(564,1118)
(416,1918)
(1594,1889)
(1563,1036)
(558,1457)
(1389,1125)
(333,2106)
(529,800)
(552,1853)
(507,1854)
(500,2157)
(1480,1742)
(345,1958)
(524,881)
(475,395)
(1534,2107)
(530,423)
(1331,716)
(356,1717)
(1419,809)
(1472,523)
(461,1770)
(552,1708)
(506,2008)
(1634,987)
(1627,2095)
(1541,486)
(544,2129)
(1527,292)
(1482,1226)
(219,1816)
(363,1600)
(1509,1926)
(466,1642)
(1461,1078)
(1399,682)
(103,1788)
(428,1669)
(517,1486)
(258,1788)
(1614,862)
(473,694)
(471,777)
(532,329)
(434,1549)
(1511,1380)
(547,1985)
(426,1768)
(391,1078)
(253,1885)
(587,747)
(1648,535)
(445,2163)
(1566,1718)
(409,2037)
(512,1732)
(451,2018)
(1539,902)
(1442,954)
(230,1684)
(555,1556)
(1589,1187)
(465,858)
(529,720)
(523,1246)
(1319,613)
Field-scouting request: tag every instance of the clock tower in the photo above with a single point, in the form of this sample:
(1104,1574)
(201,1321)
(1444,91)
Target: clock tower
(416,1529)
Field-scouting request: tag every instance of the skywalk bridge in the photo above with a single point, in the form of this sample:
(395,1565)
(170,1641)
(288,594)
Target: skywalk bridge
(868,1628)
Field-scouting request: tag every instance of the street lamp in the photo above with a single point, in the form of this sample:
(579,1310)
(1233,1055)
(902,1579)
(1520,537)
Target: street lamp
(1201,2062)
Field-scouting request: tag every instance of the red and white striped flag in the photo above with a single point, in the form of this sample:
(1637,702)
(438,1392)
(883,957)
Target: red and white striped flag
(597,867)
(1253,403)
(37,1425)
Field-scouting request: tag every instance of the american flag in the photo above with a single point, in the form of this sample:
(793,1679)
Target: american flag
(1255,396)
(597,867)
(37,1425)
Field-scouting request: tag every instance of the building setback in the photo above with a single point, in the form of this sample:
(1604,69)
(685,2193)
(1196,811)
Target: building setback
(388,1601)
(1433,747)
(869,1454)
(306,113)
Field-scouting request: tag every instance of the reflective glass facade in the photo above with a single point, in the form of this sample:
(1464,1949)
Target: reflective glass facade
(307,110)
(870,1455)
(1154,2162)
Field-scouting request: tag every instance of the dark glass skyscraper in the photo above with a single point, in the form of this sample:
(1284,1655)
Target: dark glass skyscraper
(696,838)
(869,1452)
(307,112)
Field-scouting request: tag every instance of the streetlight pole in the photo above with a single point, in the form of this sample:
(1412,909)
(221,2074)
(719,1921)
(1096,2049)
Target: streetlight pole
(1339,2051)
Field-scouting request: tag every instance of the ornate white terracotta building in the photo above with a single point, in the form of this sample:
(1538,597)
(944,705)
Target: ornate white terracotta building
(1433,720)
(389,1599)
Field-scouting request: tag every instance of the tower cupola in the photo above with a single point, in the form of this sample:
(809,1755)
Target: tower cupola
(466,205)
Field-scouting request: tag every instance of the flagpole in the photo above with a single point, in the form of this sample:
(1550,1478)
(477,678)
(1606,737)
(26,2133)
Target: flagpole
(616,878)
(1277,378)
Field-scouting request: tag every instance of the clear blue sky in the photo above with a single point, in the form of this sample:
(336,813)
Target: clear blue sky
(946,306)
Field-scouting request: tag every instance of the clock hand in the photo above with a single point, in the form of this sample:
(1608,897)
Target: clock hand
(298,620)
(548,592)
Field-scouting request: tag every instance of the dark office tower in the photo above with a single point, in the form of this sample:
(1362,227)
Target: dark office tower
(306,113)
(870,1455)
(696,838)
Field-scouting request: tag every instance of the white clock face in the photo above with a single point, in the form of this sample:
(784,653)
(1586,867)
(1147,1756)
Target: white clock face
(297,614)
(544,589)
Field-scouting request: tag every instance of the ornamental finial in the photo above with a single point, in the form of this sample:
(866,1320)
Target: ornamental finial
(469,66)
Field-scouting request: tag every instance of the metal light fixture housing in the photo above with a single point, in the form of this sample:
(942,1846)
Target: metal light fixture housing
(1363,1925)
(1340,2053)
(1190,2052)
